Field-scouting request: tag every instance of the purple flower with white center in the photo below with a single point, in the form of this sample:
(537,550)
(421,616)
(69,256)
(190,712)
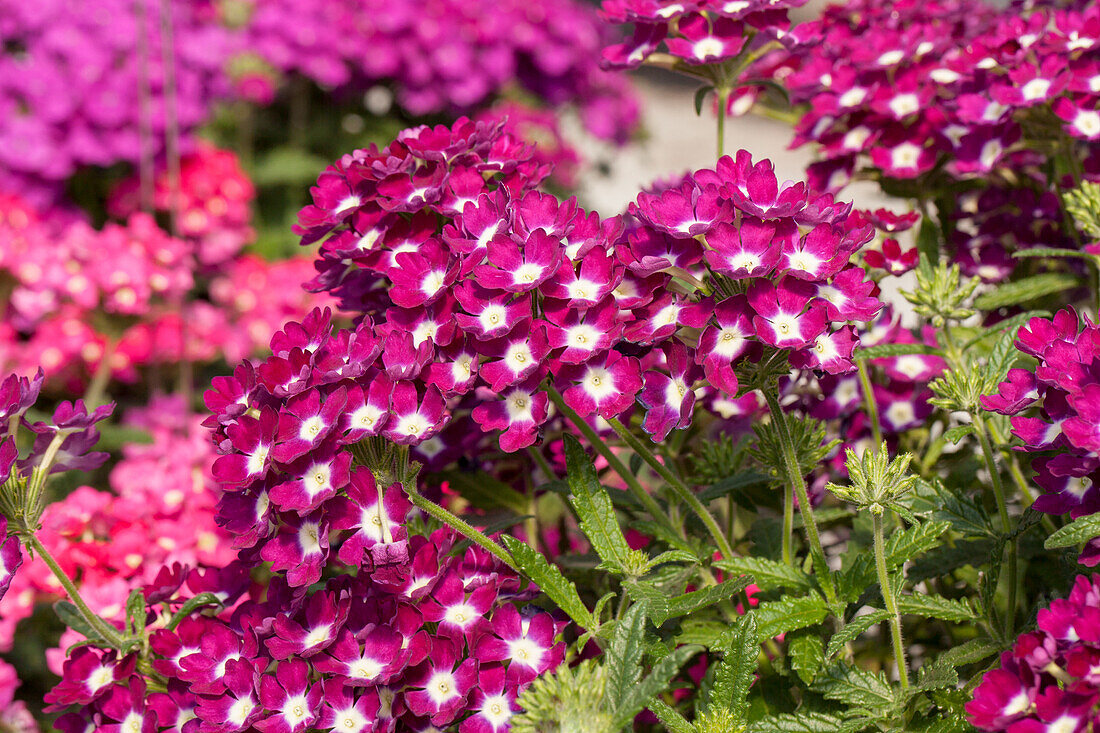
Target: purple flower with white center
(517,270)
(175,709)
(300,548)
(287,695)
(88,675)
(520,355)
(376,516)
(348,709)
(722,343)
(414,418)
(310,631)
(125,706)
(830,352)
(252,439)
(441,684)
(706,41)
(605,385)
(489,314)
(649,251)
(525,642)
(750,250)
(314,479)
(669,398)
(493,704)
(661,318)
(205,668)
(581,333)
(367,409)
(459,616)
(518,414)
(374,656)
(305,421)
(421,277)
(782,319)
(238,707)
(754,189)
(683,212)
(598,275)
(456,370)
(10,556)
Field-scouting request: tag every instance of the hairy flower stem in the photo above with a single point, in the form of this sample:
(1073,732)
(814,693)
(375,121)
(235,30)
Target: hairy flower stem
(723,94)
(459,525)
(601,447)
(682,491)
(891,605)
(870,404)
(1002,510)
(794,475)
(109,633)
(36,486)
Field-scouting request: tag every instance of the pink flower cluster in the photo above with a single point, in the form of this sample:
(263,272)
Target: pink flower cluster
(214,208)
(448,55)
(1055,411)
(1048,680)
(71,84)
(433,642)
(160,511)
(697,32)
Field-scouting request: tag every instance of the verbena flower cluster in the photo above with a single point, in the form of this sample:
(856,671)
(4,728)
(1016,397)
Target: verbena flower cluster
(1055,411)
(466,277)
(1047,681)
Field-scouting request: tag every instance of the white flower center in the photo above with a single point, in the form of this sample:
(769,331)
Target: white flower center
(707,48)
(853,97)
(309,535)
(240,710)
(906,155)
(904,105)
(441,687)
(366,669)
(1087,122)
(311,428)
(258,459)
(100,677)
(527,273)
(583,290)
(493,317)
(318,636)
(1035,89)
(296,709)
(432,283)
(460,615)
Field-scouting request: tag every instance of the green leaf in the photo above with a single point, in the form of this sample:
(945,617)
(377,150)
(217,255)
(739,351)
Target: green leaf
(486,492)
(768,84)
(789,614)
(711,634)
(638,696)
(853,630)
(700,97)
(1074,533)
(929,606)
(903,546)
(670,717)
(972,651)
(1028,289)
(202,599)
(135,612)
(671,556)
(593,505)
(855,686)
(768,574)
(661,608)
(737,669)
(935,677)
(70,616)
(1012,323)
(805,723)
(733,483)
(287,166)
(944,559)
(855,578)
(957,433)
(928,244)
(964,513)
(807,654)
(1050,252)
(624,656)
(550,581)
(887,350)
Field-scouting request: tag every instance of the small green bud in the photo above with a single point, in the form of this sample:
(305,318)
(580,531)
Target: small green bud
(877,482)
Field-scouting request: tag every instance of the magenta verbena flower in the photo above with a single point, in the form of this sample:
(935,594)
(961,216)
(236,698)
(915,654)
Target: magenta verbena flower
(1047,681)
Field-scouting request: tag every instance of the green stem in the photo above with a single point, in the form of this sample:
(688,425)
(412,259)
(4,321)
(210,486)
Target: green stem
(1002,510)
(682,491)
(97,388)
(891,605)
(794,475)
(109,633)
(601,447)
(788,527)
(870,404)
(1013,463)
(37,484)
(461,526)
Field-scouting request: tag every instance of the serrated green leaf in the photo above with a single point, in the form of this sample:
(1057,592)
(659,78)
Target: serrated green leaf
(965,515)
(807,654)
(624,655)
(887,350)
(597,611)
(768,574)
(593,505)
(789,614)
(853,630)
(638,696)
(670,717)
(935,677)
(853,580)
(1028,289)
(855,686)
(70,616)
(944,559)
(972,651)
(1074,533)
(928,244)
(737,669)
(805,723)
(671,556)
(661,608)
(550,581)
(189,606)
(930,606)
(700,97)
(711,634)
(653,598)
(903,546)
